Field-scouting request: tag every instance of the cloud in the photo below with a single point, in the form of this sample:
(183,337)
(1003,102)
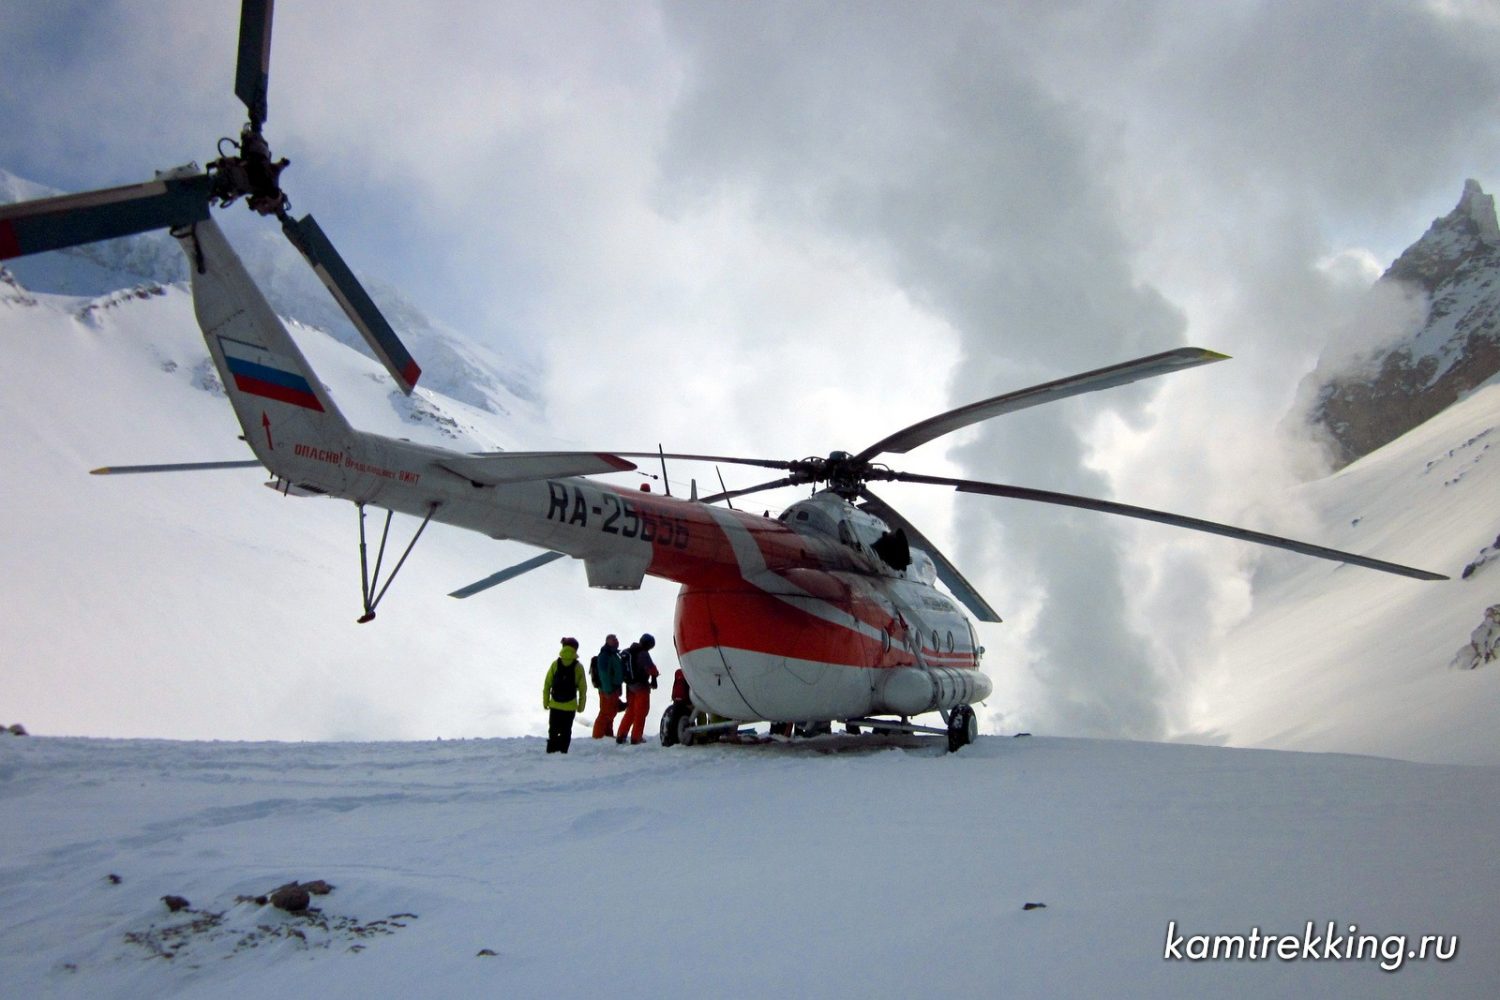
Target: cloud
(778,229)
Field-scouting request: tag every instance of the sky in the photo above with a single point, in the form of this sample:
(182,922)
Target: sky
(780,229)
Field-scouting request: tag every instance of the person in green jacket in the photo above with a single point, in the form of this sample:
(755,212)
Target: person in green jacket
(564,694)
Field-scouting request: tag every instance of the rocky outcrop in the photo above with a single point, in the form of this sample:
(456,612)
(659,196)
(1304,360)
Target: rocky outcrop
(1484,644)
(1388,391)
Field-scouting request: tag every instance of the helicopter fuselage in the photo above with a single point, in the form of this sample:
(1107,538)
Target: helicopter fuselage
(789,619)
(792,618)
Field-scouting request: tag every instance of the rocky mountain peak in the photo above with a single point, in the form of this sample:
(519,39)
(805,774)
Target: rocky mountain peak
(1375,398)
(1469,231)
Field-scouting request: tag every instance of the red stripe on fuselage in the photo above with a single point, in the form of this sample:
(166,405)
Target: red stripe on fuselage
(763,615)
(764,623)
(10,246)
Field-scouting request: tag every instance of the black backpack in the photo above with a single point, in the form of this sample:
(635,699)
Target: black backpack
(564,682)
(627,663)
(594,670)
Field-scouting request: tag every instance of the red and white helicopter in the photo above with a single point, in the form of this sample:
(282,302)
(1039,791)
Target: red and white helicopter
(828,612)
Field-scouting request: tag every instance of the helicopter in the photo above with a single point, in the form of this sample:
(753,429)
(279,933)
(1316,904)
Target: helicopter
(829,612)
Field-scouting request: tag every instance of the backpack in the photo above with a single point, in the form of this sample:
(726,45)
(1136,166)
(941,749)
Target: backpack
(594,671)
(564,683)
(627,664)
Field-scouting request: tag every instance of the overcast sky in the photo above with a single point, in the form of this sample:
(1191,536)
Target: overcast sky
(778,229)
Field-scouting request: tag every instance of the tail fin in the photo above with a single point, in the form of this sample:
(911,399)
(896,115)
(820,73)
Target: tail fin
(284,410)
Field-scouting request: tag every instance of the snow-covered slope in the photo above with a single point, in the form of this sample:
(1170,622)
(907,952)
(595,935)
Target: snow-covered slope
(1335,658)
(491,869)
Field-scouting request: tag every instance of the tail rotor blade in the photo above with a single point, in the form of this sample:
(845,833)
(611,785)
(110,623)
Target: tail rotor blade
(308,237)
(252,73)
(71,219)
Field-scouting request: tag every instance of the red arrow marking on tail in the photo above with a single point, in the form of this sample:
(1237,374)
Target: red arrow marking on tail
(265,422)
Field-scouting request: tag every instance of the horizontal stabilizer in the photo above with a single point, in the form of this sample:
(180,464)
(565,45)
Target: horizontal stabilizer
(509,573)
(500,467)
(71,219)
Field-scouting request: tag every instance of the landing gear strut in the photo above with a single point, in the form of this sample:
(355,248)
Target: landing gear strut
(370,581)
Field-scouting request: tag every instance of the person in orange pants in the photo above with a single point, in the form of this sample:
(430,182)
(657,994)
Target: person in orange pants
(609,674)
(640,679)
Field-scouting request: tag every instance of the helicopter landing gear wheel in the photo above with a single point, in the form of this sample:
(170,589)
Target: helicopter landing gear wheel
(963,727)
(677,725)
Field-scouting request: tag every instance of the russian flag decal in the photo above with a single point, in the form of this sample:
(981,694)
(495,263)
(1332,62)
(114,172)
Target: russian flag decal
(261,373)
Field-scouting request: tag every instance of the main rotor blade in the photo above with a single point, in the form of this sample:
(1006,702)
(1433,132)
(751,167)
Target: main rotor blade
(309,238)
(1103,378)
(731,494)
(252,73)
(1162,517)
(117,470)
(509,573)
(501,467)
(764,463)
(67,220)
(946,571)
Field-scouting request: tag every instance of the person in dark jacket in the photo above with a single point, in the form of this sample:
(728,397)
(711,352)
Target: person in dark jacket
(609,674)
(564,694)
(640,679)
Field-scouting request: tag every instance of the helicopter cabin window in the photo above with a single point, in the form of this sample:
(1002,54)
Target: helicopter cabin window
(950,642)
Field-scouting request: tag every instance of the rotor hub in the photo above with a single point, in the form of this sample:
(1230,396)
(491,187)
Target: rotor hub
(252,175)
